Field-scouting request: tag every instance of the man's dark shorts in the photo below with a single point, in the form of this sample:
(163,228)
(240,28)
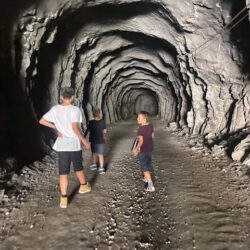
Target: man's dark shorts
(65,159)
(145,159)
(97,148)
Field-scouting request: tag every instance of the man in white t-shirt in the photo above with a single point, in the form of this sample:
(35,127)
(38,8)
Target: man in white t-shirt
(65,119)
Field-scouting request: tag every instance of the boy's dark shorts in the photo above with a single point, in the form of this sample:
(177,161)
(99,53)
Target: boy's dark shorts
(145,160)
(97,148)
(64,161)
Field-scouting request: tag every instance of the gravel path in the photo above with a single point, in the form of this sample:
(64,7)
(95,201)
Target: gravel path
(196,205)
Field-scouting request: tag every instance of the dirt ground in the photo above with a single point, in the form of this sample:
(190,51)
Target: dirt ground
(198,204)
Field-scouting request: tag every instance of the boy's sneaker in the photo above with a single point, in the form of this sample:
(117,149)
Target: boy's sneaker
(150,188)
(93,166)
(101,171)
(85,188)
(63,202)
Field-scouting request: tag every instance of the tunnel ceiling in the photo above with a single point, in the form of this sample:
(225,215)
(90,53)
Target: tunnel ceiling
(182,57)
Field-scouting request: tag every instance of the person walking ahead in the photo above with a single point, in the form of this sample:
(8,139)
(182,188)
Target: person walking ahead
(97,129)
(65,119)
(144,148)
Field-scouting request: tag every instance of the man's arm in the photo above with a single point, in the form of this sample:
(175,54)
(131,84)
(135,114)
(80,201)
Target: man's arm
(77,131)
(48,124)
(138,147)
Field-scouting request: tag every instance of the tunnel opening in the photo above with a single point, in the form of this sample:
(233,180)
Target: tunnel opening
(146,101)
(43,78)
(136,100)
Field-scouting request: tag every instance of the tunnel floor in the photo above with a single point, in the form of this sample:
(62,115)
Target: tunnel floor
(196,205)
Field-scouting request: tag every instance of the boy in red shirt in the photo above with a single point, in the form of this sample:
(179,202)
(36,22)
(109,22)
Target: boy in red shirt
(144,148)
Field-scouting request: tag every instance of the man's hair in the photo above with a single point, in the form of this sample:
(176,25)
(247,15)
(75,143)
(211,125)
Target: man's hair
(96,112)
(145,114)
(67,92)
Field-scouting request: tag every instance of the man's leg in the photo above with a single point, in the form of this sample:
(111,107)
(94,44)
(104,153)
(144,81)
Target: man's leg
(147,176)
(93,166)
(85,186)
(81,177)
(76,158)
(63,180)
(94,158)
(78,168)
(150,187)
(101,161)
(147,173)
(64,168)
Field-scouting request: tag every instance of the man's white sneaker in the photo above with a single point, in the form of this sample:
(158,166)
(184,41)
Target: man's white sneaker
(101,171)
(150,189)
(93,167)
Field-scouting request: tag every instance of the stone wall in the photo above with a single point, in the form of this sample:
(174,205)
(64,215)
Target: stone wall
(184,54)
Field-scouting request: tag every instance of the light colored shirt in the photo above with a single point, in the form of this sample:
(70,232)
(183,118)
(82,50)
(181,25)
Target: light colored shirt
(63,117)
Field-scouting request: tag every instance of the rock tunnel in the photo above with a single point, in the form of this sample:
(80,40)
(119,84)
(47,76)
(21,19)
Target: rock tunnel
(186,62)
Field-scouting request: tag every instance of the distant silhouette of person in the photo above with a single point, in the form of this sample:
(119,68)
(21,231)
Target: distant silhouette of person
(144,148)
(65,119)
(97,129)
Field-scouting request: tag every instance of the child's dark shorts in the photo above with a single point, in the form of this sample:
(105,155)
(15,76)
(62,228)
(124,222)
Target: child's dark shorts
(97,148)
(64,161)
(145,160)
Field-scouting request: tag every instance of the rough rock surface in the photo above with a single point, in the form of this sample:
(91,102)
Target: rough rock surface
(201,202)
